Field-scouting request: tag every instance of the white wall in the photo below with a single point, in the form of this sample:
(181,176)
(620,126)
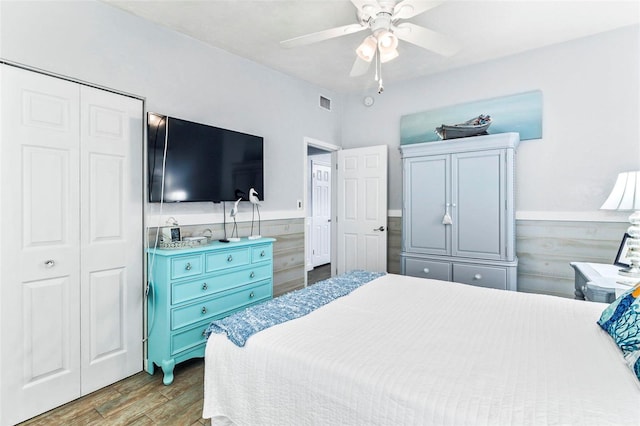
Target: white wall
(179,76)
(591,120)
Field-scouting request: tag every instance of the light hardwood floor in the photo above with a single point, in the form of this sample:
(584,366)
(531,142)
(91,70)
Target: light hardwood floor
(138,400)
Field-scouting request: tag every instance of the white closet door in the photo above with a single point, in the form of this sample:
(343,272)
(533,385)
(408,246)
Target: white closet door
(111,232)
(39,278)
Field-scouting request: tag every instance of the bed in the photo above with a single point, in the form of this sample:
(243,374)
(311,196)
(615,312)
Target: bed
(400,350)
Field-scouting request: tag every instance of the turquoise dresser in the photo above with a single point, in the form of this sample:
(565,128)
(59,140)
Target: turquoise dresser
(191,287)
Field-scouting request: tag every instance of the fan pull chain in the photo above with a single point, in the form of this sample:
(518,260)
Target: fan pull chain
(379,73)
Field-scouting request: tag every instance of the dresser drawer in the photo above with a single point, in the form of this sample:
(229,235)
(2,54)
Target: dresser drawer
(220,304)
(261,253)
(227,259)
(186,266)
(189,338)
(428,269)
(205,286)
(482,276)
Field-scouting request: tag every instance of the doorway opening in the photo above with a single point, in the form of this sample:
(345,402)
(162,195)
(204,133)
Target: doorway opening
(319,198)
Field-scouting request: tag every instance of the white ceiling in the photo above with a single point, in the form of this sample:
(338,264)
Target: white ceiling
(485,30)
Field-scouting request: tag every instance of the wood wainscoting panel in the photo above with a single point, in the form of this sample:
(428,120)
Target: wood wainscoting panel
(546,247)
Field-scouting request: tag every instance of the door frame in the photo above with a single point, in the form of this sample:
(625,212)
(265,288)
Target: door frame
(332,149)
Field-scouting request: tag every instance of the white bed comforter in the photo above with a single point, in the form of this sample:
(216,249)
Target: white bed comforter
(408,351)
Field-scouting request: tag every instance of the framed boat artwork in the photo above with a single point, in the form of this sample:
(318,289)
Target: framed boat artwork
(520,113)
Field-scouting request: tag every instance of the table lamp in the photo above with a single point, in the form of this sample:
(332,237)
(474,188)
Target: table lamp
(625,196)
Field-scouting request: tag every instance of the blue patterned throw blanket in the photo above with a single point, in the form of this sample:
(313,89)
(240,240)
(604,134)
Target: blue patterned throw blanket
(243,324)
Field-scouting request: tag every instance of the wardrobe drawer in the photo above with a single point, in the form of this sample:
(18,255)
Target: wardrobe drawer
(481,276)
(262,253)
(186,266)
(428,269)
(189,338)
(219,304)
(227,259)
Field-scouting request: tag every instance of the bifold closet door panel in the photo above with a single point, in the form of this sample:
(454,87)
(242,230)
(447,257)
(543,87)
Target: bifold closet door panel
(39,240)
(111,241)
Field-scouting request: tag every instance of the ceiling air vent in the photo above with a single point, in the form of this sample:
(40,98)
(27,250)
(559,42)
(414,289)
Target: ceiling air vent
(325,103)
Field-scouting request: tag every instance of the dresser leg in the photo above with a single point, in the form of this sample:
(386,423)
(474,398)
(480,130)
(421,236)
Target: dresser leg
(167,369)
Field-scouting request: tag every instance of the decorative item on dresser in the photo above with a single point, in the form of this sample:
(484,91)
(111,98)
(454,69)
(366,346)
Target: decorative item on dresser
(458,219)
(191,287)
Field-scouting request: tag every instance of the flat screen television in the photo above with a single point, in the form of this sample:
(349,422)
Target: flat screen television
(197,162)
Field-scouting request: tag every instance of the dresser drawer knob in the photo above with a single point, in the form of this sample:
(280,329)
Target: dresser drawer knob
(477,277)
(253,274)
(251,295)
(205,286)
(187,266)
(49,263)
(204,333)
(230,258)
(426,270)
(262,253)
(204,310)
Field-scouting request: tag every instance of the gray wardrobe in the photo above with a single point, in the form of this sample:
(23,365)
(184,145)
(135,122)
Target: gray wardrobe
(458,218)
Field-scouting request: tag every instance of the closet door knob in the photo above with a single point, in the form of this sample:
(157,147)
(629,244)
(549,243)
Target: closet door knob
(49,263)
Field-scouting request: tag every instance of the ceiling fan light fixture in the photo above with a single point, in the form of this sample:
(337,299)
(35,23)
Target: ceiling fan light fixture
(388,55)
(387,41)
(367,50)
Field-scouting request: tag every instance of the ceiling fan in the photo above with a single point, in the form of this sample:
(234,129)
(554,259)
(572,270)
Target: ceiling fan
(382,18)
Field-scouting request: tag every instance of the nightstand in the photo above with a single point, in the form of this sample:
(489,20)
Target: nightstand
(598,282)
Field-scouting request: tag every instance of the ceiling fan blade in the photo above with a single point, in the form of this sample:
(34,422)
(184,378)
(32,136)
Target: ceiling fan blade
(360,67)
(322,35)
(409,8)
(370,7)
(426,38)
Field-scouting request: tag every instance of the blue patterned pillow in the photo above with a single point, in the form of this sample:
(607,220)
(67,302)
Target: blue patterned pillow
(621,319)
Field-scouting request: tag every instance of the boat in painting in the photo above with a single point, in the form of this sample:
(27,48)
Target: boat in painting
(473,127)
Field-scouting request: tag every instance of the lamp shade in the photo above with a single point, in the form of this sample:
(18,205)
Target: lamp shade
(625,194)
(367,50)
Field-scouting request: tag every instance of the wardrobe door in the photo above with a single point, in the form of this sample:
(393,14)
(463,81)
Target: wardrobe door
(111,237)
(39,240)
(478,191)
(426,203)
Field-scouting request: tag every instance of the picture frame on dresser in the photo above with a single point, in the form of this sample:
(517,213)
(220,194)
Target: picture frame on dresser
(623,251)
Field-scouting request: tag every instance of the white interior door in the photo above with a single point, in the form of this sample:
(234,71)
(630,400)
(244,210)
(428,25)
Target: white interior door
(111,237)
(362,209)
(321,214)
(40,274)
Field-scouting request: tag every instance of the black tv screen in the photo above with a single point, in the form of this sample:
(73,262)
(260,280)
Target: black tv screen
(201,162)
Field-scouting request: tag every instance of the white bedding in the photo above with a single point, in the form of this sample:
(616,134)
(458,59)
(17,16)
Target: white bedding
(409,351)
